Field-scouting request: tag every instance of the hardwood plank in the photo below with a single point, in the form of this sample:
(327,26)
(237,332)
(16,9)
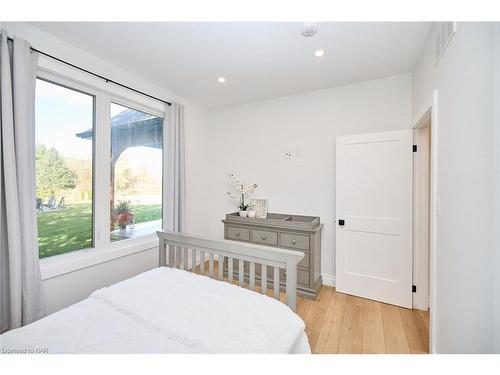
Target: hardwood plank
(418,352)
(351,338)
(303,306)
(394,332)
(283,297)
(418,340)
(329,336)
(373,329)
(314,321)
(324,296)
(424,315)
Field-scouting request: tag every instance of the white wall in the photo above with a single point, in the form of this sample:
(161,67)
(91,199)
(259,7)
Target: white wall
(497,174)
(464,264)
(61,291)
(66,289)
(249,140)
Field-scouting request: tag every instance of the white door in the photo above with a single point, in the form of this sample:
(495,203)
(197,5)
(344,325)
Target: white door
(374,216)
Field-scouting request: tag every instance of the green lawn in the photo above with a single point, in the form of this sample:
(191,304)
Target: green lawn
(71,228)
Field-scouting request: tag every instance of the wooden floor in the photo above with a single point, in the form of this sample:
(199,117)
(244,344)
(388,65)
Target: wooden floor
(344,324)
(340,323)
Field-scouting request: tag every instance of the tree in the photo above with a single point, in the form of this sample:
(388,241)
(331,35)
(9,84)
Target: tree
(52,173)
(126,181)
(82,168)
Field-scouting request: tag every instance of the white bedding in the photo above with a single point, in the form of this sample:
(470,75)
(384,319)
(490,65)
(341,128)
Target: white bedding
(166,311)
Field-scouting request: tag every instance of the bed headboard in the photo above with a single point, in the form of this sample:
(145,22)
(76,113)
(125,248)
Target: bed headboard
(232,259)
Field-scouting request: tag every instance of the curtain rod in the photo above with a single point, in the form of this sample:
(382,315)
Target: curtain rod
(108,80)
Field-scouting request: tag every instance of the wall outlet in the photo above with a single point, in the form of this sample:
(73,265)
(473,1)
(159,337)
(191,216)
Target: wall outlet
(288,155)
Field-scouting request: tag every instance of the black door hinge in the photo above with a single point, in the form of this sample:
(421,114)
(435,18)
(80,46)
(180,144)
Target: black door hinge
(414,288)
(414,148)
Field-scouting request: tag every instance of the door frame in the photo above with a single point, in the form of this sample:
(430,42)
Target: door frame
(430,111)
(421,213)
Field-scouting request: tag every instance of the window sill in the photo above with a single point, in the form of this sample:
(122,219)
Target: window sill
(65,263)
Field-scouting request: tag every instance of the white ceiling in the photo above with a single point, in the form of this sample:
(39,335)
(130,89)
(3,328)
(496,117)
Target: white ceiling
(259,60)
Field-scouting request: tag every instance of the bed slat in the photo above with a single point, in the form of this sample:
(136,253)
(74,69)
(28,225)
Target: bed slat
(177,257)
(263,279)
(276,283)
(193,260)
(221,267)
(185,258)
(211,264)
(180,256)
(252,275)
(202,262)
(230,264)
(241,273)
(171,254)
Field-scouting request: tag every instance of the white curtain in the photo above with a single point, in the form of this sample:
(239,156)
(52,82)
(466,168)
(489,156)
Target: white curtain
(21,287)
(174,182)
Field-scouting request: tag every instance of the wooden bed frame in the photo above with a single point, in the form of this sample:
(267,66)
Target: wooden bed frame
(186,252)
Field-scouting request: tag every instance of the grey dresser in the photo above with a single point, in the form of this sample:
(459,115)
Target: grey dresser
(294,232)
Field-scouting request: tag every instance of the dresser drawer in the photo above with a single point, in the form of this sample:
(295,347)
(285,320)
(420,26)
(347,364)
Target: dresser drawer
(294,241)
(240,234)
(265,237)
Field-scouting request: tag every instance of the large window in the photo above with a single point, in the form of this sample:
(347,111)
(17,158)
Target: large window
(64,177)
(136,173)
(99,166)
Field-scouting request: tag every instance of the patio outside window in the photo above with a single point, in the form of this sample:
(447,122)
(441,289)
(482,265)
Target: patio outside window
(64,169)
(136,173)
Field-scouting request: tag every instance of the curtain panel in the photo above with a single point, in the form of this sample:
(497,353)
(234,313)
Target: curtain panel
(21,287)
(174,183)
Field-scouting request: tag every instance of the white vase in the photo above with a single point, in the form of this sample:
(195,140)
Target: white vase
(251,213)
(243,213)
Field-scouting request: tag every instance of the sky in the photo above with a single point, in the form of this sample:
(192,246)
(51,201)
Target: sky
(61,113)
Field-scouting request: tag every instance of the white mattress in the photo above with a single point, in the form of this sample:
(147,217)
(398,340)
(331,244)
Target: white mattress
(166,311)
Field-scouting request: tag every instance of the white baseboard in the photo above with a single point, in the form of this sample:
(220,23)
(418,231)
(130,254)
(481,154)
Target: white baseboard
(328,280)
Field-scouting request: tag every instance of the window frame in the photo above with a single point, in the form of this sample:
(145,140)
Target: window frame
(82,90)
(104,94)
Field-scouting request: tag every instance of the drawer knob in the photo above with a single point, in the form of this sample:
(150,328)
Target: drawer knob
(263,237)
(294,242)
(237,234)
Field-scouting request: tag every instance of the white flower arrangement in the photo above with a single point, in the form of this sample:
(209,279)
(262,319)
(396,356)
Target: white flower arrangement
(241,191)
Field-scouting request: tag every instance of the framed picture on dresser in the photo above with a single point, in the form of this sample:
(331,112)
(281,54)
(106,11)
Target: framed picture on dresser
(260,207)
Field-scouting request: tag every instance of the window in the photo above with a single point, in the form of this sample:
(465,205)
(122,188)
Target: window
(99,165)
(136,173)
(64,170)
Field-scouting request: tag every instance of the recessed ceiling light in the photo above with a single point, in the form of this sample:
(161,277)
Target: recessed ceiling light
(319,53)
(221,79)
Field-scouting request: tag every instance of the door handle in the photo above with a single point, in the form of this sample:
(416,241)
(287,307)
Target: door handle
(341,222)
